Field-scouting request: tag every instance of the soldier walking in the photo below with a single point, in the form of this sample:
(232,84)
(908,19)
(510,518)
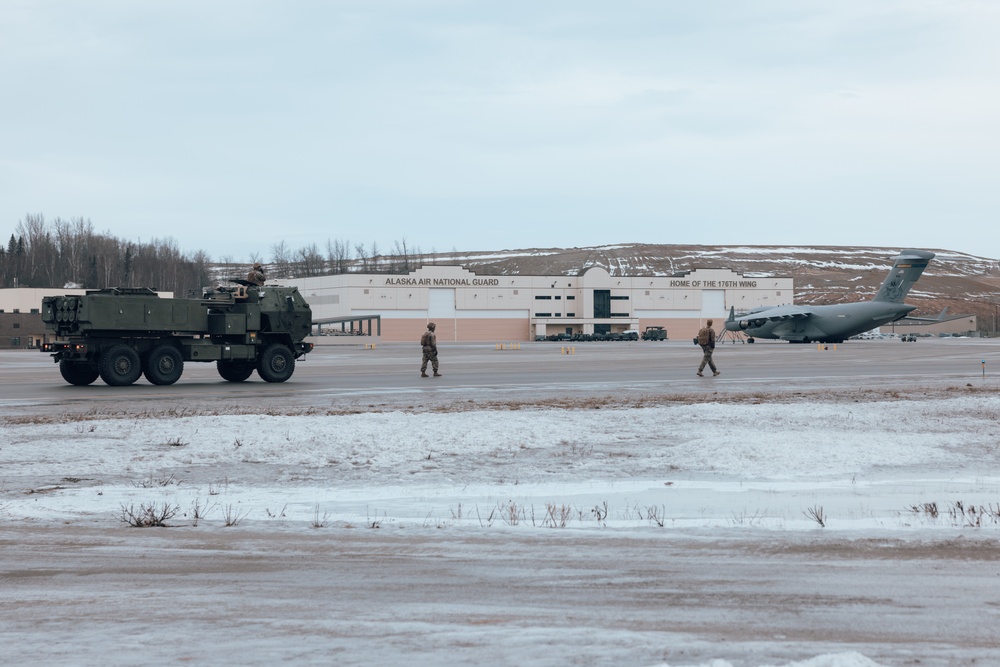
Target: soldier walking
(430,346)
(706,339)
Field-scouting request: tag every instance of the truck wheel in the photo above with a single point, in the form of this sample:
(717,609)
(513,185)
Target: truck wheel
(120,366)
(164,365)
(276,364)
(235,371)
(78,373)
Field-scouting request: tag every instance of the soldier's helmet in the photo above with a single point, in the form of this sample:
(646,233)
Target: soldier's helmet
(432,326)
(256,265)
(709,323)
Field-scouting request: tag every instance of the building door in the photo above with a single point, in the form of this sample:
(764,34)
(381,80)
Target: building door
(602,310)
(441,309)
(602,304)
(713,303)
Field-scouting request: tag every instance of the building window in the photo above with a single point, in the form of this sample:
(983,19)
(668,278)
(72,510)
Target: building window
(570,298)
(15,342)
(619,298)
(34,311)
(570,314)
(558,297)
(558,314)
(17,325)
(17,310)
(542,296)
(620,315)
(543,314)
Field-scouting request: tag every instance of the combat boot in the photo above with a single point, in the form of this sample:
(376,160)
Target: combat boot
(423,374)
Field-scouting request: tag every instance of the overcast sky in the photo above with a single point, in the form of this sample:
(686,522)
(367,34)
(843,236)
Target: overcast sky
(233,126)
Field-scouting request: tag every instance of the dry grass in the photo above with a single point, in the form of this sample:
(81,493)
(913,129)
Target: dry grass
(148,515)
(817,514)
(600,402)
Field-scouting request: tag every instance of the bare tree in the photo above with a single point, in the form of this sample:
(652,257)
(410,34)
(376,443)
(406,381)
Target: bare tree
(281,258)
(310,261)
(338,255)
(401,256)
(362,255)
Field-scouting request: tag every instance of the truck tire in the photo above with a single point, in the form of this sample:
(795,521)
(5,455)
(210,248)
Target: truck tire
(235,371)
(276,364)
(120,366)
(163,365)
(78,373)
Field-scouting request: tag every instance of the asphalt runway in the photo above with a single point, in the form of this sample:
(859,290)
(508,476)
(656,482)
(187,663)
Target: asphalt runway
(344,375)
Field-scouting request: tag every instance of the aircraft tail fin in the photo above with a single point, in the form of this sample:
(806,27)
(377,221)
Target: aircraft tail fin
(906,269)
(732,314)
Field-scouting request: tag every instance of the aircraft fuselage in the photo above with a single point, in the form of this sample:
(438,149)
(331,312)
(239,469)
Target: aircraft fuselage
(826,324)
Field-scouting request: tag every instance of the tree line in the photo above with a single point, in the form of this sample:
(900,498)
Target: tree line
(70,253)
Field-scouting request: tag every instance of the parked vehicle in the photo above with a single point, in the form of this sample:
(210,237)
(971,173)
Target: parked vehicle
(654,333)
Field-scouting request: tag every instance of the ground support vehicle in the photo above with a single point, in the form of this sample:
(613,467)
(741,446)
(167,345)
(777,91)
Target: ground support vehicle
(118,334)
(654,333)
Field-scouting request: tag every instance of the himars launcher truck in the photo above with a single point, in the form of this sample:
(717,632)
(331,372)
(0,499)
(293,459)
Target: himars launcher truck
(119,334)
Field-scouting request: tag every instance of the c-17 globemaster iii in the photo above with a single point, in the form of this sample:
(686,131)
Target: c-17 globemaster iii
(838,322)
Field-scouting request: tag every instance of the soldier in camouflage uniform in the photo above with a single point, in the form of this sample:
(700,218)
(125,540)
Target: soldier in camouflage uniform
(256,275)
(429,344)
(706,339)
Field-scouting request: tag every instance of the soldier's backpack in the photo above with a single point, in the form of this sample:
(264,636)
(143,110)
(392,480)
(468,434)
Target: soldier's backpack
(425,340)
(703,336)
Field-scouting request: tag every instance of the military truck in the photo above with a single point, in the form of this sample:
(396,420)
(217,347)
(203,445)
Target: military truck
(118,334)
(654,333)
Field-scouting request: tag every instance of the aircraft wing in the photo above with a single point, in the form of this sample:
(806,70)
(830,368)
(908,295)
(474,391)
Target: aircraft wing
(927,320)
(779,313)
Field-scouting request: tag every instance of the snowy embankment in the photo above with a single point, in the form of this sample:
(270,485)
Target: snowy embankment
(899,465)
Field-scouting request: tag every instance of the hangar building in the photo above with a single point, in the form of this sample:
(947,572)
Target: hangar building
(469,307)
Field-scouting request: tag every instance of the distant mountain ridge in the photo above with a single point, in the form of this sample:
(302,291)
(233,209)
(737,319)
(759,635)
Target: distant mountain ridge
(823,274)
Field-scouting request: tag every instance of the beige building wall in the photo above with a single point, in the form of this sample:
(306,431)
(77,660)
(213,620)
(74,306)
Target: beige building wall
(469,307)
(29,299)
